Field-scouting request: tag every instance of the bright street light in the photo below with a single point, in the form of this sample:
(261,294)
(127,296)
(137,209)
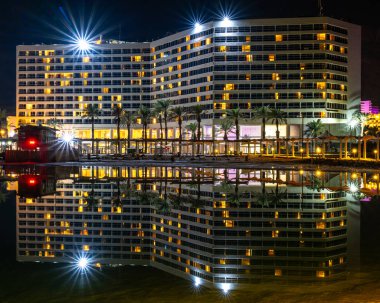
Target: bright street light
(83,44)
(82,263)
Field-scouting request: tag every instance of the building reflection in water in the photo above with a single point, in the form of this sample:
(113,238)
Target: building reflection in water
(218,227)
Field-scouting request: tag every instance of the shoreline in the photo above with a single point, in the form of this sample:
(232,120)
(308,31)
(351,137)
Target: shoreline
(230,162)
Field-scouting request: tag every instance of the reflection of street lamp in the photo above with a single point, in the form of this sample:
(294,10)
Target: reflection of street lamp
(376,152)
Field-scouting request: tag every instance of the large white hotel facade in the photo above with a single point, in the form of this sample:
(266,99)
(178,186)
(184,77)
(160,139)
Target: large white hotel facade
(308,66)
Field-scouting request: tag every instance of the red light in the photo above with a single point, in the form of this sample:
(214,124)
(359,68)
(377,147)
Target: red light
(32,142)
(32,181)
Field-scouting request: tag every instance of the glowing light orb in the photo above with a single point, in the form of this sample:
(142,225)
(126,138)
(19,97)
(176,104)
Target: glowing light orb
(226,21)
(82,263)
(197,282)
(67,138)
(83,44)
(226,287)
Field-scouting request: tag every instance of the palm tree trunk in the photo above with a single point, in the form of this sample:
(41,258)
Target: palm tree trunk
(92,134)
(118,136)
(225,138)
(199,134)
(145,139)
(161,130)
(277,138)
(262,135)
(166,127)
(237,131)
(180,135)
(129,135)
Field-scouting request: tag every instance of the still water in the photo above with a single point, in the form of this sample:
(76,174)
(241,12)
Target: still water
(169,234)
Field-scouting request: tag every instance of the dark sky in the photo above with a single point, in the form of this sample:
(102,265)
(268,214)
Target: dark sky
(33,21)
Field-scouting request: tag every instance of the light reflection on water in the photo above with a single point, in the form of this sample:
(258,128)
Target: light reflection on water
(219,228)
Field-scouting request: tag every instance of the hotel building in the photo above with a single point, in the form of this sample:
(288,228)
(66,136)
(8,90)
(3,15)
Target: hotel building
(306,67)
(215,236)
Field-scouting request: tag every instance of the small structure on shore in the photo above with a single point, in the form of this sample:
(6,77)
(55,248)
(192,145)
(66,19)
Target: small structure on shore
(40,144)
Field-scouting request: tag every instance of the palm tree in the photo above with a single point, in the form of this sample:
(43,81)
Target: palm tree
(178,113)
(277,116)
(235,114)
(314,129)
(127,120)
(192,128)
(145,114)
(262,113)
(118,114)
(226,128)
(158,113)
(163,106)
(358,120)
(197,110)
(92,112)
(3,122)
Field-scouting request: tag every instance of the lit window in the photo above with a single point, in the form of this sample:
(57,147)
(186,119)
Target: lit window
(106,90)
(196,44)
(271,252)
(320,274)
(321,85)
(136,58)
(321,37)
(246,48)
(278,272)
(187,38)
(246,262)
(249,58)
(226,96)
(229,223)
(86,247)
(321,225)
(86,59)
(277,96)
(275,76)
(229,86)
(278,38)
(223,48)
(271,57)
(208,41)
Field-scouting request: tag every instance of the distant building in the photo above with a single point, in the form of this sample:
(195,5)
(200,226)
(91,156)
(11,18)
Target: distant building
(366,107)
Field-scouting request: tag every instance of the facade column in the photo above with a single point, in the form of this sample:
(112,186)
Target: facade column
(323,149)
(293,150)
(286,148)
(340,148)
(345,147)
(359,149)
(307,149)
(365,149)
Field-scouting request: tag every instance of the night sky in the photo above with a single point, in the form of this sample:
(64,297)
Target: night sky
(29,22)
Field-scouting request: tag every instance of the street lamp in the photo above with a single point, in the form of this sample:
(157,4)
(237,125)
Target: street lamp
(354,151)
